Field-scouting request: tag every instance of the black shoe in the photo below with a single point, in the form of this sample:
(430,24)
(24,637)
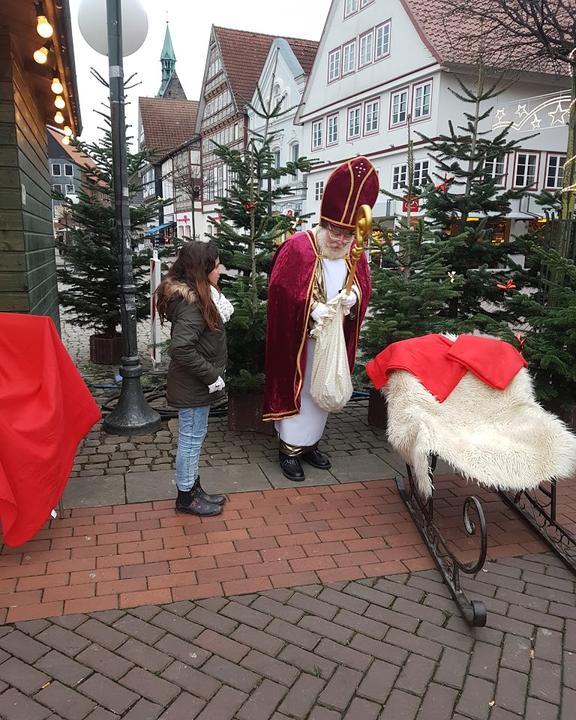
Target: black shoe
(317,459)
(291,468)
(201,494)
(187,503)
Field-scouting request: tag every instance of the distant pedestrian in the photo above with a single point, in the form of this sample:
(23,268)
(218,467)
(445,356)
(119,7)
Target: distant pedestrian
(189,298)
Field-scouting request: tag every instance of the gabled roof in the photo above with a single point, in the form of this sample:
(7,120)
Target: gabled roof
(445,34)
(75,156)
(166,123)
(305,51)
(244,54)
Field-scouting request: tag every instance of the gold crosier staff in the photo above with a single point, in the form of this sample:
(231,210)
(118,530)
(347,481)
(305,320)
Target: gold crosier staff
(363,231)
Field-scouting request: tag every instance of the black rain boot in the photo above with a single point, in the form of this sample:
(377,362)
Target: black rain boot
(187,503)
(201,494)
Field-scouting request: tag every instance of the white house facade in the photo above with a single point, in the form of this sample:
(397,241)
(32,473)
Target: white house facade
(283,80)
(383,65)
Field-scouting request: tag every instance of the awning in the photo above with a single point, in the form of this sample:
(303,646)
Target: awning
(154,230)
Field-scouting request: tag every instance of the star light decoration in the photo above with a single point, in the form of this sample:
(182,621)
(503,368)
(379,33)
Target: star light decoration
(558,115)
(533,113)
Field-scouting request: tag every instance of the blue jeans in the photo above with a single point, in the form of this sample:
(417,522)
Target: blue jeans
(192,429)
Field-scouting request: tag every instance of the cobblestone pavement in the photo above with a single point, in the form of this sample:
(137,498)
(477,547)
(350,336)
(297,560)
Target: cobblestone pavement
(347,433)
(389,649)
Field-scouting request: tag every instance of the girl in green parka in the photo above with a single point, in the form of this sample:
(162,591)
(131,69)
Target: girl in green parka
(189,298)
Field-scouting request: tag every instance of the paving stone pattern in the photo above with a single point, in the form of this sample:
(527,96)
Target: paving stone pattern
(123,556)
(375,649)
(347,433)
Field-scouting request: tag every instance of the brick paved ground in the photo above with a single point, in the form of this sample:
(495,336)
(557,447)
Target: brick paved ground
(129,555)
(389,649)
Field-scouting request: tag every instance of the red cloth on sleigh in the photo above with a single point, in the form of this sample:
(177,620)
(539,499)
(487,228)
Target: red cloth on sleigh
(45,411)
(440,363)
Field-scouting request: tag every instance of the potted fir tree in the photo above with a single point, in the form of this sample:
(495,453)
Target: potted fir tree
(247,232)
(90,279)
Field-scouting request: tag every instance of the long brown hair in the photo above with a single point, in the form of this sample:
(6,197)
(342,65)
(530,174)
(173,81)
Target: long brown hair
(194,263)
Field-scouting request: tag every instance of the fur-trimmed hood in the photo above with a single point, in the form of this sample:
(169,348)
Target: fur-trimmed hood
(177,290)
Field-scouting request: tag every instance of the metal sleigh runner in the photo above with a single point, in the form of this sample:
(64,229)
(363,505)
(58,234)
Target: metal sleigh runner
(469,401)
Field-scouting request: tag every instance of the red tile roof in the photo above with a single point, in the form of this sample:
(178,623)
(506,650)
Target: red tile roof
(305,51)
(452,37)
(167,123)
(244,54)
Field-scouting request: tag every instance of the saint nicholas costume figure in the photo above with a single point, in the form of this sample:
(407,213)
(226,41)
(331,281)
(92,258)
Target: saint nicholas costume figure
(308,271)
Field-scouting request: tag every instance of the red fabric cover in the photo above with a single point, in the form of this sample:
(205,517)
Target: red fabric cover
(350,185)
(45,410)
(289,299)
(494,362)
(425,357)
(440,364)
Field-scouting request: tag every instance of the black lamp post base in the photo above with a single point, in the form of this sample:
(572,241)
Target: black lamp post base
(132,414)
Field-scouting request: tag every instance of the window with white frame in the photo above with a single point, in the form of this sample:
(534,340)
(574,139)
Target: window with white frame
(382,40)
(555,171)
(366,49)
(350,7)
(399,175)
(421,176)
(316,134)
(318,189)
(68,170)
(421,101)
(526,168)
(371,116)
(353,122)
(57,188)
(69,189)
(295,154)
(332,130)
(349,57)
(399,107)
(494,168)
(56,170)
(363,3)
(334,65)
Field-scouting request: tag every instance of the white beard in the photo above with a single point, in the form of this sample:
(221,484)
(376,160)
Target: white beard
(328,252)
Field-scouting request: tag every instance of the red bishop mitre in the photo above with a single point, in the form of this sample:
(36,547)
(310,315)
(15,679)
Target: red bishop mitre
(350,185)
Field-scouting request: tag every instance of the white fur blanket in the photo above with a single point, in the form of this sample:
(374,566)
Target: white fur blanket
(499,438)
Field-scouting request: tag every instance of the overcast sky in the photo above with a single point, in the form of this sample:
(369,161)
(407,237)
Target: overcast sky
(190,22)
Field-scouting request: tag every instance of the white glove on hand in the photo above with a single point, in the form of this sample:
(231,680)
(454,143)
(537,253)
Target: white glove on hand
(349,299)
(217,385)
(322,311)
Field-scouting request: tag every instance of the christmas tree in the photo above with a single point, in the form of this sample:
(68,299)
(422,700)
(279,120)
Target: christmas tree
(248,231)
(90,277)
(548,314)
(412,283)
(467,204)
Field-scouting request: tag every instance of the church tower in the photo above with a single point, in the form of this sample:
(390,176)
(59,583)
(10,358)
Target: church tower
(170,88)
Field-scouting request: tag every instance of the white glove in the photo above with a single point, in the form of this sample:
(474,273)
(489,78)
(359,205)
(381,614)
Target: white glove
(217,385)
(322,311)
(349,299)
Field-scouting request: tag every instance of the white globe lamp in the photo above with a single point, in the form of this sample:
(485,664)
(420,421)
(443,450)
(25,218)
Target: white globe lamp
(93,25)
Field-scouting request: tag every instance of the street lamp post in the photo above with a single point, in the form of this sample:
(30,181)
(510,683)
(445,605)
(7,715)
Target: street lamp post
(132,414)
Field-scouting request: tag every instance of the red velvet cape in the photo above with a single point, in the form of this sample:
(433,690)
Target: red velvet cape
(45,410)
(289,304)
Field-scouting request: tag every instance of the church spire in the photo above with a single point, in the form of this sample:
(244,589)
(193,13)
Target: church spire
(168,62)
(170,87)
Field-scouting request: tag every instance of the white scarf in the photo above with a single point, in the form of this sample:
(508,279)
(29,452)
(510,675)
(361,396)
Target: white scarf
(224,306)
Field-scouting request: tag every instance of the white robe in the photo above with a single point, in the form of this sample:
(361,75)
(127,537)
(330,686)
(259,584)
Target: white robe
(307,427)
